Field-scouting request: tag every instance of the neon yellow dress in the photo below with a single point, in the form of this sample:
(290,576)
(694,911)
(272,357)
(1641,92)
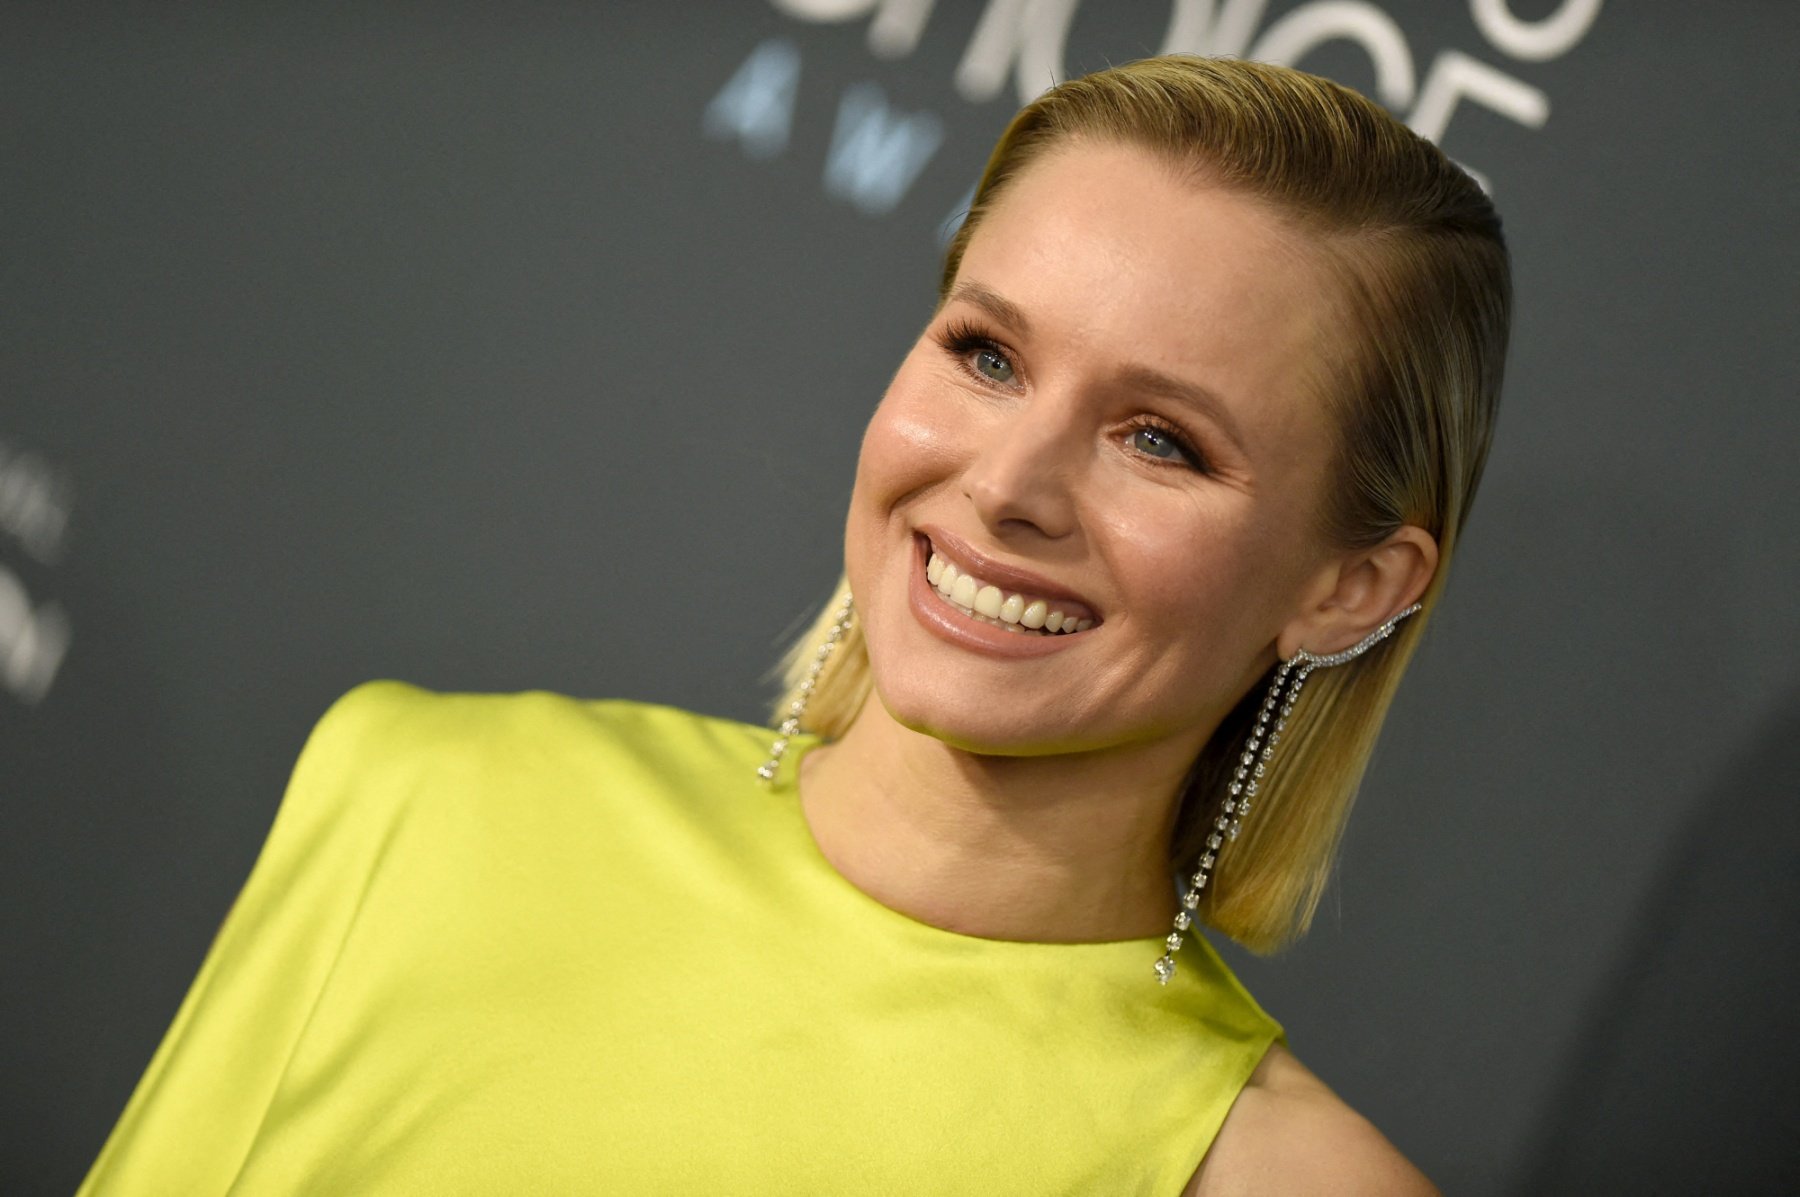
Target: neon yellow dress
(528,944)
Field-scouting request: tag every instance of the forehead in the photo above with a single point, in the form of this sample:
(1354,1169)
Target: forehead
(1116,258)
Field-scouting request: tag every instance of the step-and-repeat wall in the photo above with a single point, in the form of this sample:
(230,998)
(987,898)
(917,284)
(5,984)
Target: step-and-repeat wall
(500,347)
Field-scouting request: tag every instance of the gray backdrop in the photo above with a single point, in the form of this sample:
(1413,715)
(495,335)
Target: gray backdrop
(529,346)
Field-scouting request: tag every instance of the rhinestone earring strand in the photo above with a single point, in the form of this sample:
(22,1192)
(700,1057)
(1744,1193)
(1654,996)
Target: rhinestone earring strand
(790,726)
(1284,691)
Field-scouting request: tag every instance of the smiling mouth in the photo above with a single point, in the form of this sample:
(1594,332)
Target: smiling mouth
(1014,611)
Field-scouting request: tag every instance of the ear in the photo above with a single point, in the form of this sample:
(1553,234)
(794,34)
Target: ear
(1357,592)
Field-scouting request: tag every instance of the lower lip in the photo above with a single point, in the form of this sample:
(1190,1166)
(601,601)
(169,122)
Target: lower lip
(947,621)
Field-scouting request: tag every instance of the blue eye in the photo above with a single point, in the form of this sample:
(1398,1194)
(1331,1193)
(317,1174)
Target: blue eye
(1152,439)
(1153,442)
(990,364)
(979,354)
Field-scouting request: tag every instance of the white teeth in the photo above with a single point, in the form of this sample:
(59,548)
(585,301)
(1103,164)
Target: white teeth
(962,591)
(1014,612)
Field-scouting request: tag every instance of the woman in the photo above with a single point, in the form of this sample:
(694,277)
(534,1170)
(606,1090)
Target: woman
(1197,419)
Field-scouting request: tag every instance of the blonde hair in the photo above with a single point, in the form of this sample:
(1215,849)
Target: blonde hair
(1427,291)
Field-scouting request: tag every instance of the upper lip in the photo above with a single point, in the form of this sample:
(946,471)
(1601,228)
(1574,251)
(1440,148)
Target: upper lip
(967,559)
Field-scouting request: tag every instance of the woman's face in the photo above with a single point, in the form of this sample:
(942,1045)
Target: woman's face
(1116,415)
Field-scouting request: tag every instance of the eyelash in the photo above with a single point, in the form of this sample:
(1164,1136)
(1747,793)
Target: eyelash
(1176,437)
(960,339)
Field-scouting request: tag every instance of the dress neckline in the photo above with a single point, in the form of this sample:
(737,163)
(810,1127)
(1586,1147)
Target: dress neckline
(787,784)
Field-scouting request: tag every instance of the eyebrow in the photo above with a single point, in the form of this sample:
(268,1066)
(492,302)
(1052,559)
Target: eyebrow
(994,304)
(1191,394)
(1138,378)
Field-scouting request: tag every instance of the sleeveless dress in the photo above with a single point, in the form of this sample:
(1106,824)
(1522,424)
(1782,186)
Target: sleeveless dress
(529,944)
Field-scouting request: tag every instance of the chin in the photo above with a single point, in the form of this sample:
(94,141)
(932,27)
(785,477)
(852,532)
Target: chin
(975,722)
(974,732)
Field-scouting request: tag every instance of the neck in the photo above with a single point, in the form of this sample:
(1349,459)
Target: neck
(1057,849)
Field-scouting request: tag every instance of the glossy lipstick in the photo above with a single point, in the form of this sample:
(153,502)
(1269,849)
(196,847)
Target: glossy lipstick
(951,623)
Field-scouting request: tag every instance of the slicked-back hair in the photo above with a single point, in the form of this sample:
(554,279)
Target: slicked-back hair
(1425,294)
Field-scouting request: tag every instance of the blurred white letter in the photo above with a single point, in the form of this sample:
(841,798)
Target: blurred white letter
(1455,75)
(1029,33)
(32,643)
(1289,39)
(876,151)
(1535,41)
(1197,27)
(756,106)
(894,33)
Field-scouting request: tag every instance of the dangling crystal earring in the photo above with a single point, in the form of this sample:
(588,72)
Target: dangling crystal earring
(790,726)
(1277,706)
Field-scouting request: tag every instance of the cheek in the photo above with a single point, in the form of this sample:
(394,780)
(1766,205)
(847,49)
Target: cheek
(1186,582)
(908,450)
(1201,564)
(913,440)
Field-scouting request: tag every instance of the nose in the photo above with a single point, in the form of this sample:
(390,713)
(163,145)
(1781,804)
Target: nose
(1022,477)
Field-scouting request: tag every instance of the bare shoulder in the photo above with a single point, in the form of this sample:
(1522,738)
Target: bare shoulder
(1289,1133)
